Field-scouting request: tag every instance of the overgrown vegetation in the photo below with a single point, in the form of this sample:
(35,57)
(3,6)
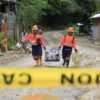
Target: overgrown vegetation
(55,13)
(97,6)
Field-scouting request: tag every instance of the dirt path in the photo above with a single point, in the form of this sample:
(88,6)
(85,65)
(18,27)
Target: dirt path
(90,58)
(52,40)
(88,51)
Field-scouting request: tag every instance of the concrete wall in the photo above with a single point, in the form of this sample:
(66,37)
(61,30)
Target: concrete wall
(96,21)
(95,28)
(95,31)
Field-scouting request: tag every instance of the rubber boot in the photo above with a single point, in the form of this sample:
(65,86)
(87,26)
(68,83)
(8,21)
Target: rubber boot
(67,63)
(64,62)
(37,63)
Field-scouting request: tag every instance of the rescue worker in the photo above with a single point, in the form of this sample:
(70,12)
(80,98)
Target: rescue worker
(69,42)
(37,44)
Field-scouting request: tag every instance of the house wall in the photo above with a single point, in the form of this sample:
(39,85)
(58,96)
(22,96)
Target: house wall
(95,31)
(96,21)
(13,27)
(95,28)
(99,29)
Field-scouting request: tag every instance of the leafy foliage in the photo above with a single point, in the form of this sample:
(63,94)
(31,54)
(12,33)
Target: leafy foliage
(56,12)
(97,5)
(31,11)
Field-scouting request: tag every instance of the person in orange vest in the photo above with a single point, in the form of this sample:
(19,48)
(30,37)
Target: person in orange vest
(37,44)
(69,42)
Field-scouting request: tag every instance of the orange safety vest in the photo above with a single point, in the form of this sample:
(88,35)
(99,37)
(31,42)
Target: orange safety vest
(68,40)
(34,38)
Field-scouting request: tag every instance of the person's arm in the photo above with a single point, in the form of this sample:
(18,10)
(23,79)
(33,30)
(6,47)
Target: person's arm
(42,41)
(74,45)
(62,41)
(27,38)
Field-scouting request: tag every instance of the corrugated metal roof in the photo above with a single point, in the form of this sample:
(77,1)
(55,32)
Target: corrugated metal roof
(8,0)
(12,1)
(96,16)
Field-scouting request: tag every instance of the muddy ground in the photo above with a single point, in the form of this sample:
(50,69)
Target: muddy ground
(89,51)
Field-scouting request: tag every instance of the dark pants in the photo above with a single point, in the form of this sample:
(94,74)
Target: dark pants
(66,52)
(36,50)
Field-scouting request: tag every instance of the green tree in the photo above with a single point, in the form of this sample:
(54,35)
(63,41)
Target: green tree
(97,5)
(31,11)
(56,12)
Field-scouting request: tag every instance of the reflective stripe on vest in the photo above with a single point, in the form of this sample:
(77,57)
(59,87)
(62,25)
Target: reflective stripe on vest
(69,42)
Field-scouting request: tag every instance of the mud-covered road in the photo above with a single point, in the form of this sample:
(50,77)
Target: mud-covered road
(90,58)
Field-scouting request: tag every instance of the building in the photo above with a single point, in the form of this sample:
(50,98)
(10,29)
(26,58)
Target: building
(95,28)
(9,14)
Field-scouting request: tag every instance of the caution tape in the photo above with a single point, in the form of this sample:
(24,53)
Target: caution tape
(47,77)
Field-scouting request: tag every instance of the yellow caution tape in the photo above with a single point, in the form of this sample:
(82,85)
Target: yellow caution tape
(47,77)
